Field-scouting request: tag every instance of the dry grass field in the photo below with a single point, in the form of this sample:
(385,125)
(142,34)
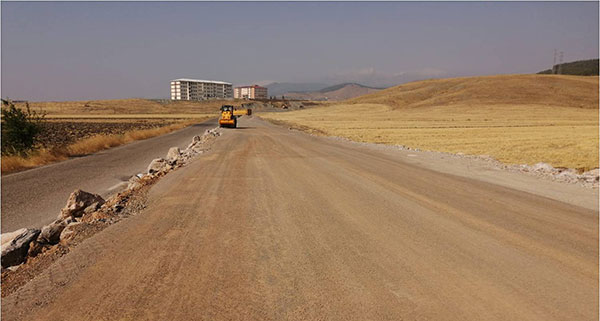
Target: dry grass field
(518,119)
(125,117)
(130,108)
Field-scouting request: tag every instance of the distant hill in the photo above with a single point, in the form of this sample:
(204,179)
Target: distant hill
(579,68)
(340,86)
(281,88)
(337,92)
(507,90)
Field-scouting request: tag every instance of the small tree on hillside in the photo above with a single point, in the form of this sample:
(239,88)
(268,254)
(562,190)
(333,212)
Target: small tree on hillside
(19,128)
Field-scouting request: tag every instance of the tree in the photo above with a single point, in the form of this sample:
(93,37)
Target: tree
(20,128)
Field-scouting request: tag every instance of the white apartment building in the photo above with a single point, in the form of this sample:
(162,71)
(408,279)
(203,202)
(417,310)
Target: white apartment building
(195,89)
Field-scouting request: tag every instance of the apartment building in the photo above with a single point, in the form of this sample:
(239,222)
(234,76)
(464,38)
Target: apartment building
(250,92)
(195,89)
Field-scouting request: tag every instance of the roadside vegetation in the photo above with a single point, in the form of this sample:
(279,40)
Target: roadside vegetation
(20,128)
(85,146)
(517,119)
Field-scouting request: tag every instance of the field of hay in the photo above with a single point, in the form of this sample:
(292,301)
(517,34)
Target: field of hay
(517,119)
(135,107)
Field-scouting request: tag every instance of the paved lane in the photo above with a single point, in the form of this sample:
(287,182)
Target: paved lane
(34,197)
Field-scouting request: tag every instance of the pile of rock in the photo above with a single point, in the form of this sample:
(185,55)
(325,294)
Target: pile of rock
(568,175)
(83,207)
(176,158)
(18,245)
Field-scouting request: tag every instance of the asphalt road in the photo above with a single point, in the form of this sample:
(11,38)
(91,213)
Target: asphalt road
(34,197)
(277,225)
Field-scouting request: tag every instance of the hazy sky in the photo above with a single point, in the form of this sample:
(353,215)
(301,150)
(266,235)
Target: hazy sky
(101,50)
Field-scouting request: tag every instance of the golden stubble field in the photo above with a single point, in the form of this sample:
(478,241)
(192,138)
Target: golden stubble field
(517,119)
(129,108)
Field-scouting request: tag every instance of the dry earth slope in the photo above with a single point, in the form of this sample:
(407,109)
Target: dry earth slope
(523,90)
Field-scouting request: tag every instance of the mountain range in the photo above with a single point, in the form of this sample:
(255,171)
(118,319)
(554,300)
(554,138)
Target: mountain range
(336,92)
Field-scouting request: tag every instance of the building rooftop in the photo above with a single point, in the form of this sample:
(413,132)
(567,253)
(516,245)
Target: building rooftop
(253,86)
(200,80)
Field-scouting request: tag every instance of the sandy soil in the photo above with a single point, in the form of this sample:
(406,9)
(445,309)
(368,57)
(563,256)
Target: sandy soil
(274,224)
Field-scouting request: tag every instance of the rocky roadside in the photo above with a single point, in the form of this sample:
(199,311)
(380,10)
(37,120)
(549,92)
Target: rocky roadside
(588,179)
(27,252)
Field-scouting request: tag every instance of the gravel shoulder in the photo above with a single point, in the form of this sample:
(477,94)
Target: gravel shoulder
(489,170)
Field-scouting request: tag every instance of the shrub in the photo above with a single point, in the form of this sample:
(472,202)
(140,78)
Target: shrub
(19,128)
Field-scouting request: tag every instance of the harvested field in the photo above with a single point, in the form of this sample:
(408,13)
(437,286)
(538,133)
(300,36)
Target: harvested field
(126,117)
(521,119)
(142,108)
(63,133)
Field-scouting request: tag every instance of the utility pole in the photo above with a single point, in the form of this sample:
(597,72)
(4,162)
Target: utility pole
(560,62)
(554,67)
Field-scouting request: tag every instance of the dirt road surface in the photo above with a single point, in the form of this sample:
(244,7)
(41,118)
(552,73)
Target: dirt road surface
(277,225)
(34,197)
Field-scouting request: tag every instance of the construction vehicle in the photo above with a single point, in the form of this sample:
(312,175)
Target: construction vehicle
(227,119)
(240,112)
(229,115)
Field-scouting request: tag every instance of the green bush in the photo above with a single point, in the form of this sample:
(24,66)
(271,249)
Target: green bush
(19,128)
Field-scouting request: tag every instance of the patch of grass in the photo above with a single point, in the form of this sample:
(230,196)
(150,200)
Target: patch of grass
(94,144)
(35,159)
(84,147)
(479,117)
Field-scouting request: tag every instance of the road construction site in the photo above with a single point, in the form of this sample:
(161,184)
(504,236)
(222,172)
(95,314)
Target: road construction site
(275,224)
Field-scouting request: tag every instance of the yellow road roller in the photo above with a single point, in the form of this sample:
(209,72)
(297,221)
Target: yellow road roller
(227,119)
